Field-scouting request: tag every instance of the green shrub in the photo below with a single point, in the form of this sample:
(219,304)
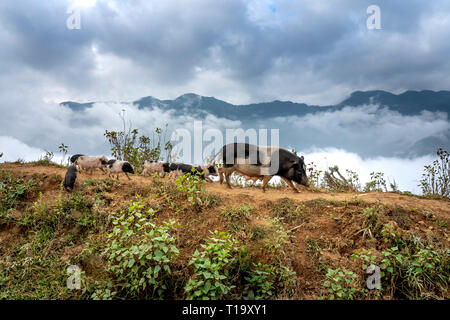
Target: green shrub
(212,267)
(192,184)
(260,282)
(416,271)
(128,145)
(140,254)
(314,175)
(12,191)
(339,283)
(436,177)
(41,215)
(377,182)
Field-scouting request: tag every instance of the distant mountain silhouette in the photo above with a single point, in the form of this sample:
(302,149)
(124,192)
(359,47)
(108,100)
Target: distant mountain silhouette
(407,103)
(75,106)
(261,114)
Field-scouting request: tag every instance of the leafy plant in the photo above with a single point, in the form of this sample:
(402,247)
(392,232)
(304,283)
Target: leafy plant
(192,184)
(416,270)
(367,257)
(353,180)
(140,253)
(260,282)
(212,267)
(436,177)
(377,182)
(12,191)
(339,283)
(313,175)
(63,149)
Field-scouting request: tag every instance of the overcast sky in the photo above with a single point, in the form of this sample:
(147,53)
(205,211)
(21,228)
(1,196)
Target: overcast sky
(239,51)
(311,51)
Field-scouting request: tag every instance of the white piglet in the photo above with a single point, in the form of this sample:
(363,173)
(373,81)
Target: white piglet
(91,163)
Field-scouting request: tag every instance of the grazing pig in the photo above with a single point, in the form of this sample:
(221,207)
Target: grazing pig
(262,161)
(118,166)
(209,171)
(254,179)
(166,167)
(153,167)
(70,178)
(185,168)
(175,174)
(90,163)
(75,157)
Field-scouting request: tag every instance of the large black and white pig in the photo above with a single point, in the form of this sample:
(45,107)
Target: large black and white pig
(118,166)
(70,178)
(262,162)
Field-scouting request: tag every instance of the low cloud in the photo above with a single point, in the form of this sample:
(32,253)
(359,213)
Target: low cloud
(368,130)
(14,149)
(405,172)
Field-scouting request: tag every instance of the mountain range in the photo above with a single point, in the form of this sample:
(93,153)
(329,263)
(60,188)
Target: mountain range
(361,136)
(407,103)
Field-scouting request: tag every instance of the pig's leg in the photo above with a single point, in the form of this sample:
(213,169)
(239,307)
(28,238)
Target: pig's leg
(290,184)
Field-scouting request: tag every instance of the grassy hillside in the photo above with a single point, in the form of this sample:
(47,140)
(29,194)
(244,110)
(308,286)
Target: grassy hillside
(144,239)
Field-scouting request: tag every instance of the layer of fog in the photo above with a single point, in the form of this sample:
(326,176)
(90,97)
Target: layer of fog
(406,173)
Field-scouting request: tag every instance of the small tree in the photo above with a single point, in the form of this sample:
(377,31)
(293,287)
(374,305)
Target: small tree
(335,181)
(63,149)
(313,175)
(130,146)
(436,176)
(377,182)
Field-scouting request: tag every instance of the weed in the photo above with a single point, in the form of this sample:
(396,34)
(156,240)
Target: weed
(256,233)
(12,191)
(436,177)
(277,238)
(212,266)
(286,209)
(416,270)
(339,283)
(140,253)
(370,223)
(192,184)
(260,282)
(377,182)
(236,216)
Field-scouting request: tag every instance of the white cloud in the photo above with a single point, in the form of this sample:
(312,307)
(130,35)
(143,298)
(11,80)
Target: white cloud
(405,172)
(14,149)
(367,130)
